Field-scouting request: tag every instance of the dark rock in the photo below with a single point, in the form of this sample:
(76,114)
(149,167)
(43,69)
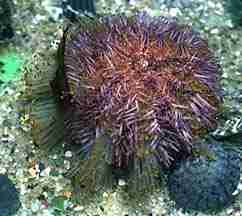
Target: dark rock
(120,173)
(6,30)
(234,8)
(9,198)
(41,166)
(205,183)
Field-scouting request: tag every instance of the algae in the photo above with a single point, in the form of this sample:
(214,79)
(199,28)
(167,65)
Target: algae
(9,66)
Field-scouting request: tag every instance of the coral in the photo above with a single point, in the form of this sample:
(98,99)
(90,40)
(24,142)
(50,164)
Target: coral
(206,182)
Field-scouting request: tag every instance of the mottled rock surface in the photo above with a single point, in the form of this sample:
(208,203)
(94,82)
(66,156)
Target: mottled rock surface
(9,200)
(206,182)
(6,30)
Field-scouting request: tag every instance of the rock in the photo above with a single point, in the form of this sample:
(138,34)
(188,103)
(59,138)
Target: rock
(73,8)
(234,8)
(9,198)
(206,184)
(181,4)
(6,30)
(230,131)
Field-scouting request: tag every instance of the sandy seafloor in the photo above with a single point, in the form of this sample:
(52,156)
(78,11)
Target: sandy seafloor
(39,178)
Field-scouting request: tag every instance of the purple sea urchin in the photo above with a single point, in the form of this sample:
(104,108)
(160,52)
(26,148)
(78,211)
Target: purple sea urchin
(130,94)
(147,83)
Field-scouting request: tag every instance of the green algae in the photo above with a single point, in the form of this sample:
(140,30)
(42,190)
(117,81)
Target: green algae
(10,63)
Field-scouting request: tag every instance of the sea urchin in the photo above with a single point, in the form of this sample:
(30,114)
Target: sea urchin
(130,93)
(147,83)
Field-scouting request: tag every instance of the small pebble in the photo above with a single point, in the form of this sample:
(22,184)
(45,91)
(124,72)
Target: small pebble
(35,206)
(235,192)
(240,186)
(211,4)
(46,172)
(33,172)
(105,194)
(121,182)
(237,53)
(41,166)
(68,154)
(229,211)
(214,31)
(237,214)
(79,208)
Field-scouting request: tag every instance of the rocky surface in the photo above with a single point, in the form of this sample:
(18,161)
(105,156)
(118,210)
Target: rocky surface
(6,30)
(9,197)
(207,181)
